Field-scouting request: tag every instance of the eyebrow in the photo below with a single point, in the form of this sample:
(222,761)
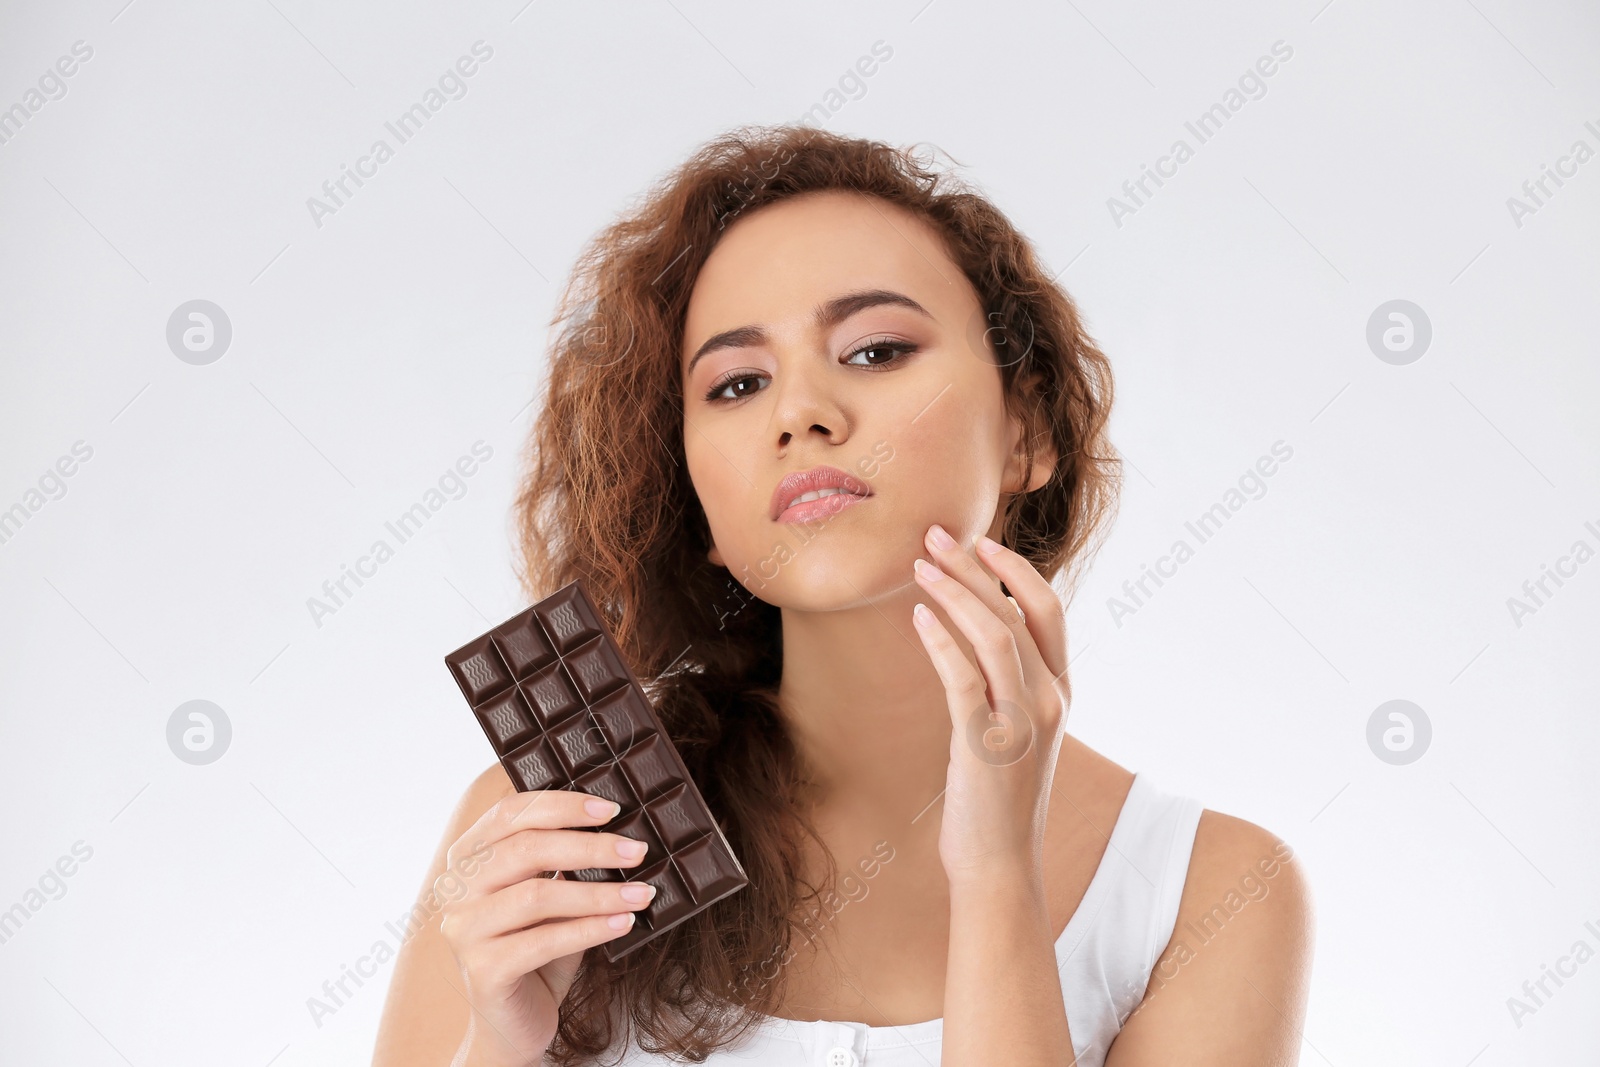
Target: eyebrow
(824,316)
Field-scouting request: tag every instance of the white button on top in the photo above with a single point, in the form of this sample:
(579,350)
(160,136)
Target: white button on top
(839,1056)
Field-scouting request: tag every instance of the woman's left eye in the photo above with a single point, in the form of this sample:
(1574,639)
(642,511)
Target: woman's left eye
(893,349)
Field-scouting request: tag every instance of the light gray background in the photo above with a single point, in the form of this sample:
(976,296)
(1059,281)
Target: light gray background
(371,352)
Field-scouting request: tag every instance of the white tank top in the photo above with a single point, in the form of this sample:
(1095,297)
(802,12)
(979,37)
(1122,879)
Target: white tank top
(1105,956)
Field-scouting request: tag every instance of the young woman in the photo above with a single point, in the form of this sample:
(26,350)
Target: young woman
(820,430)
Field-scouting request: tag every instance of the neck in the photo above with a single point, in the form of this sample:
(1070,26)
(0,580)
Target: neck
(865,706)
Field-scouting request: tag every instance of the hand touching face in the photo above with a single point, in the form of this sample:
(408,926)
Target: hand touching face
(1007,712)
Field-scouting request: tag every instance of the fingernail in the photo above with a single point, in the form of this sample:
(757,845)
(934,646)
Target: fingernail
(638,892)
(601,809)
(620,921)
(988,545)
(632,850)
(922,616)
(939,538)
(928,570)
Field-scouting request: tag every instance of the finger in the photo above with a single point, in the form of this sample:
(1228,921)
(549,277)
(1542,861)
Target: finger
(536,809)
(963,684)
(991,639)
(539,900)
(530,853)
(1045,615)
(526,951)
(954,559)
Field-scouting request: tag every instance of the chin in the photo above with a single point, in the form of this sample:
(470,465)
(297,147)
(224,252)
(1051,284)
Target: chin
(833,577)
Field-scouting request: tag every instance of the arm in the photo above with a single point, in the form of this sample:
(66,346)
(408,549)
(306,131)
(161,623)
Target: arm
(1230,989)
(1235,999)
(1003,998)
(1003,1001)
(425,1015)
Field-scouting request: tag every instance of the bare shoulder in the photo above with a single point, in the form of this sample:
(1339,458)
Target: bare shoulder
(1232,983)
(1236,862)
(1090,789)
(484,792)
(423,1020)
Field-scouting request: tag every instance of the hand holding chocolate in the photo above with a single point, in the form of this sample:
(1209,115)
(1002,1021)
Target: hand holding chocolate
(564,711)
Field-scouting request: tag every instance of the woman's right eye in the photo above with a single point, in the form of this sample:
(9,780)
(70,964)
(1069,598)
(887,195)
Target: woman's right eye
(715,393)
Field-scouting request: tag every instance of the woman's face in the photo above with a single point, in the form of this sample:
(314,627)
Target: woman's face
(832,329)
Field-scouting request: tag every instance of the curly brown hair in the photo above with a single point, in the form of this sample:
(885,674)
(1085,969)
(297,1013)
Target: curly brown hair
(607,499)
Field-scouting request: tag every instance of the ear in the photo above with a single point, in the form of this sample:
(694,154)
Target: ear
(1045,459)
(1044,463)
(715,556)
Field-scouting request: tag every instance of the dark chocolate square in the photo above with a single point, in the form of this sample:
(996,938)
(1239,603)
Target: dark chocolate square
(568,618)
(507,719)
(708,870)
(609,783)
(671,902)
(534,766)
(523,645)
(551,695)
(638,827)
(478,670)
(594,671)
(598,874)
(677,818)
(623,717)
(579,744)
(650,768)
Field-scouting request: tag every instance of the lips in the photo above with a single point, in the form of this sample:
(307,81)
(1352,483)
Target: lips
(818,480)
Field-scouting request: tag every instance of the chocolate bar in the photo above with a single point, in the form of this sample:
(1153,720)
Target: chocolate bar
(564,711)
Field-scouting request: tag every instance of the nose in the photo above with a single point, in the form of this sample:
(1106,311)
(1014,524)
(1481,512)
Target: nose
(806,401)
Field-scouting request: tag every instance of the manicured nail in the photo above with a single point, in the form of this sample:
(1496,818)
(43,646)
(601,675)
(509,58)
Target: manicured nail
(921,615)
(939,538)
(632,850)
(638,892)
(601,809)
(928,570)
(620,921)
(989,545)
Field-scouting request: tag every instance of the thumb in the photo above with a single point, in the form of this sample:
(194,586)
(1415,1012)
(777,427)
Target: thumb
(560,972)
